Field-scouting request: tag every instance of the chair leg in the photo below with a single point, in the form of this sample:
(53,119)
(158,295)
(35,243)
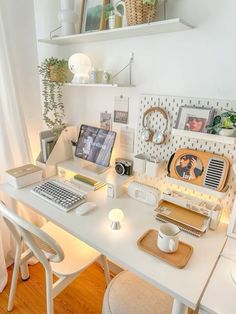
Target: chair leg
(14,278)
(49,295)
(24,270)
(106,269)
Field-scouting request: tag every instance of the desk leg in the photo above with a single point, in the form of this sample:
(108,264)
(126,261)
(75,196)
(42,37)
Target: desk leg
(24,270)
(178,308)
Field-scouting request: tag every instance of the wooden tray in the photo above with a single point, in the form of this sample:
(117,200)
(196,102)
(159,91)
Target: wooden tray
(148,243)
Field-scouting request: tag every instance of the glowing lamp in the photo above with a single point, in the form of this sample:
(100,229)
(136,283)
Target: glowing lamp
(80,65)
(116,216)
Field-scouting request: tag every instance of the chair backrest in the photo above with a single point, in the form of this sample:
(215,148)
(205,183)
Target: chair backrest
(35,238)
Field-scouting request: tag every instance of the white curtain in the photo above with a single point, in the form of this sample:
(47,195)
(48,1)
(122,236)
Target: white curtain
(14,144)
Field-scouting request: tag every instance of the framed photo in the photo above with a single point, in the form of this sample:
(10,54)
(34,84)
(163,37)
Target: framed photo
(194,119)
(93,18)
(121,109)
(189,167)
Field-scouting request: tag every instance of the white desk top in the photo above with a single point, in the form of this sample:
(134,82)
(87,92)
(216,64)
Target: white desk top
(186,285)
(220,295)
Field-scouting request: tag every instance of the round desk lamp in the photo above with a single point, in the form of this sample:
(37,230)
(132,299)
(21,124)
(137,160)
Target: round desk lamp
(80,65)
(116,216)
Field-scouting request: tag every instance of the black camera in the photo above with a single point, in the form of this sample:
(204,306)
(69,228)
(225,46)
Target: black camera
(123,166)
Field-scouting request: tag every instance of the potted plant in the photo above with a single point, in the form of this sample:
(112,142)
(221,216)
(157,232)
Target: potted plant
(114,14)
(54,73)
(224,124)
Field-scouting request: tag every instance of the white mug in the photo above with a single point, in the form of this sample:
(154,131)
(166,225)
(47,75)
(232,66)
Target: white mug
(168,238)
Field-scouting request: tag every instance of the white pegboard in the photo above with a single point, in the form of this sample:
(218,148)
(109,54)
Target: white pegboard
(163,152)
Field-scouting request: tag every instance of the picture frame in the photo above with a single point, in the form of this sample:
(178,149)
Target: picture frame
(93,18)
(195,119)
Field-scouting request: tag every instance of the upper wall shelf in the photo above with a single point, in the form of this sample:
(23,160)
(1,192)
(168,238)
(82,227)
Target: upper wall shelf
(166,26)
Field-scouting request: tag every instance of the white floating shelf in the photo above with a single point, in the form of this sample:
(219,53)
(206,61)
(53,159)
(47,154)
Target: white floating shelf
(205,136)
(198,188)
(96,85)
(166,26)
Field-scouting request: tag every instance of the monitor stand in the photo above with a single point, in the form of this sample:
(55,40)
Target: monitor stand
(96,168)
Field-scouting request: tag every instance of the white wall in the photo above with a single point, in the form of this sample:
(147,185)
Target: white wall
(199,62)
(20,29)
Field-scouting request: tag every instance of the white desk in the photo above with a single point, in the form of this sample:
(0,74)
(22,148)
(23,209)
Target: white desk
(185,285)
(220,295)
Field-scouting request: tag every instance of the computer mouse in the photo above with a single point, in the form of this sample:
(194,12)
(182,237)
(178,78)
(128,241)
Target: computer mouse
(85,208)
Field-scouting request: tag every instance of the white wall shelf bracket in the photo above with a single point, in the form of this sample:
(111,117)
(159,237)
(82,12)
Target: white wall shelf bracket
(129,66)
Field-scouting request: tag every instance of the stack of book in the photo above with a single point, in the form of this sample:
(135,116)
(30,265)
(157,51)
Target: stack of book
(87,182)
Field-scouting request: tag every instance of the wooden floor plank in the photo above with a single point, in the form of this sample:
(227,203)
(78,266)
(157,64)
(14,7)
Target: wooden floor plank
(83,296)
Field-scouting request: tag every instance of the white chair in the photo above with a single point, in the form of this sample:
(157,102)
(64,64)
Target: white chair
(59,252)
(128,294)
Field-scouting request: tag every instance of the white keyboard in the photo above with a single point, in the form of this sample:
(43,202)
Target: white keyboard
(58,195)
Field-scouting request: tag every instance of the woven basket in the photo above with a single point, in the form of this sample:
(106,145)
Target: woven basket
(60,75)
(139,13)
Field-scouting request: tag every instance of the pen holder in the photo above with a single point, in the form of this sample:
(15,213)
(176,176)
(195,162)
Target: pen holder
(153,168)
(139,163)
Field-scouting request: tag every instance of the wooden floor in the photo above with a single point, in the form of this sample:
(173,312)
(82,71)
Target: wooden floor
(83,296)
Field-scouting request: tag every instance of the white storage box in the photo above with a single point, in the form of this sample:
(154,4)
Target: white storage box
(153,168)
(24,175)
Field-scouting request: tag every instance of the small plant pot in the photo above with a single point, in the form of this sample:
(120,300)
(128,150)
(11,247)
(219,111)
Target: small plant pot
(114,21)
(60,74)
(227,132)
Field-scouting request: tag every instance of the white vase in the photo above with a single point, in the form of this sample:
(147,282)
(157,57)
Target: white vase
(67,5)
(67,17)
(227,132)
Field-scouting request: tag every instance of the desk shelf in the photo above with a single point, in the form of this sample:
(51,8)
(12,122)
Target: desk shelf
(205,136)
(166,26)
(198,188)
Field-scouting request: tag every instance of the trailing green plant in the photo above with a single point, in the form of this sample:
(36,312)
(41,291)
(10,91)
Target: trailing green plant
(53,72)
(226,120)
(117,7)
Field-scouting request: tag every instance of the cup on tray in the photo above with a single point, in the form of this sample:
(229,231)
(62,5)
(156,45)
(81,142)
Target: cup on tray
(168,238)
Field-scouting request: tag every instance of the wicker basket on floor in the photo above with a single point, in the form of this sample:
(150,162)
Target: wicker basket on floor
(139,13)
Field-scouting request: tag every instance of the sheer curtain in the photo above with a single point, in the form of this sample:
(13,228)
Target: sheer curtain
(14,144)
